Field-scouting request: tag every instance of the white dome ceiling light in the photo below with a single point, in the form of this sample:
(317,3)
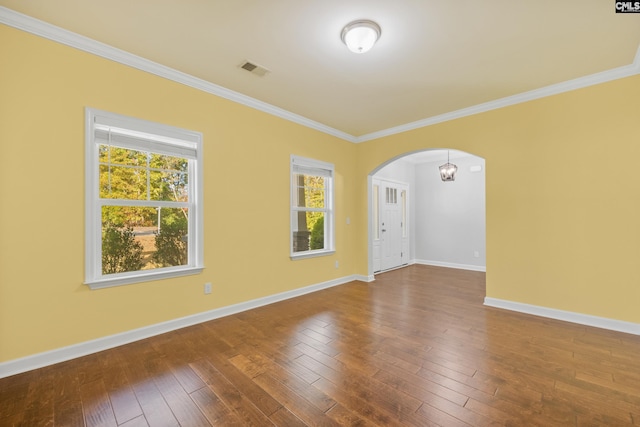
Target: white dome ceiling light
(361,35)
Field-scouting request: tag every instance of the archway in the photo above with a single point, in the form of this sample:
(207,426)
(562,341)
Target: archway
(446,220)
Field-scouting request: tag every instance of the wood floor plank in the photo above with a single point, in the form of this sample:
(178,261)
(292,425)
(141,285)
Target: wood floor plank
(359,405)
(297,405)
(13,395)
(258,396)
(67,405)
(386,397)
(286,377)
(345,417)
(123,401)
(421,390)
(214,409)
(40,398)
(96,405)
(231,396)
(139,421)
(416,347)
(151,401)
(284,417)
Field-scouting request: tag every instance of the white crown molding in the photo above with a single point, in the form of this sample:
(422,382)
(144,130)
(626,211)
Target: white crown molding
(60,35)
(40,360)
(579,83)
(567,316)
(450,265)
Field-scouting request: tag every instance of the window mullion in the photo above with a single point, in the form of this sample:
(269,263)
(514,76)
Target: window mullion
(310,209)
(144,203)
(148,171)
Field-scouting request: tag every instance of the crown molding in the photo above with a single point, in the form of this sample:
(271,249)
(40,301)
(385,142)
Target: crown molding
(579,83)
(77,41)
(60,35)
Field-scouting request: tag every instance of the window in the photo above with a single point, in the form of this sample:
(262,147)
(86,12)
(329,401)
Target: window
(392,196)
(143,200)
(311,207)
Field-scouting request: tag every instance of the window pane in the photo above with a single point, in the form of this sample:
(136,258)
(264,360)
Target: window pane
(169,177)
(121,156)
(168,186)
(133,241)
(123,182)
(301,233)
(171,241)
(160,161)
(315,222)
(310,191)
(308,231)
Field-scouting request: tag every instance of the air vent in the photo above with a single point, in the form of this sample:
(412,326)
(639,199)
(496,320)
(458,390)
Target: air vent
(254,68)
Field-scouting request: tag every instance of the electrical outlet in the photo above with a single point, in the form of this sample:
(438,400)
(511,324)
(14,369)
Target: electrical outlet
(207,288)
(476,254)
(337,264)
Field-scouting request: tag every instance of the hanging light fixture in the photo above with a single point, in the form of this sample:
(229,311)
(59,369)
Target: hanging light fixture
(448,170)
(361,35)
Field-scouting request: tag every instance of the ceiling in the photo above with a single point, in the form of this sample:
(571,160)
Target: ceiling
(434,57)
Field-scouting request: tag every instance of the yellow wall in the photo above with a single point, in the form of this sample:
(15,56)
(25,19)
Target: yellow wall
(44,88)
(563,197)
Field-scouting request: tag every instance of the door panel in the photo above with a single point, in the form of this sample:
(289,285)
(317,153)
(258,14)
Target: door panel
(390,242)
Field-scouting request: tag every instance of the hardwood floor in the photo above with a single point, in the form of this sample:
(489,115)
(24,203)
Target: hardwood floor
(416,347)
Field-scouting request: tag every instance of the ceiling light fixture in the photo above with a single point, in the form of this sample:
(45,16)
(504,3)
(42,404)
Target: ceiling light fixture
(361,35)
(448,170)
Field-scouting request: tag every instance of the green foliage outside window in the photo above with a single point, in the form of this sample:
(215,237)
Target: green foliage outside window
(137,175)
(127,243)
(120,251)
(171,243)
(314,192)
(317,234)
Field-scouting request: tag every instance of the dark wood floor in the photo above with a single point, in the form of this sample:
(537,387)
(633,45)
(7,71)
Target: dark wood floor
(415,347)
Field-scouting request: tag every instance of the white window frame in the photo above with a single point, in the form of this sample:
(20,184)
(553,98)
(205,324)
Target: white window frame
(302,164)
(152,137)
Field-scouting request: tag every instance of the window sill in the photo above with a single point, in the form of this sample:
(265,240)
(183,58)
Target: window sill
(124,279)
(311,254)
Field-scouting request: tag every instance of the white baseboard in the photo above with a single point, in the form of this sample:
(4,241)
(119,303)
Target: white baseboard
(567,316)
(47,358)
(450,265)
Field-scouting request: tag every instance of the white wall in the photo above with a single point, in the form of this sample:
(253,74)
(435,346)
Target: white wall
(449,221)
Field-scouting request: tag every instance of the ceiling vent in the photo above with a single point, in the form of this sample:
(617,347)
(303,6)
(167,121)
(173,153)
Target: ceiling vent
(254,68)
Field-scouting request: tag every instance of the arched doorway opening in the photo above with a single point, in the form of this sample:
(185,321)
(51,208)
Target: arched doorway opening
(414,217)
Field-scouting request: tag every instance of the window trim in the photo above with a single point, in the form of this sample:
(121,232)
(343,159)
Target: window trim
(322,168)
(163,134)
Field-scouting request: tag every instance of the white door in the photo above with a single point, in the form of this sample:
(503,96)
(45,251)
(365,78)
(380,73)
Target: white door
(390,237)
